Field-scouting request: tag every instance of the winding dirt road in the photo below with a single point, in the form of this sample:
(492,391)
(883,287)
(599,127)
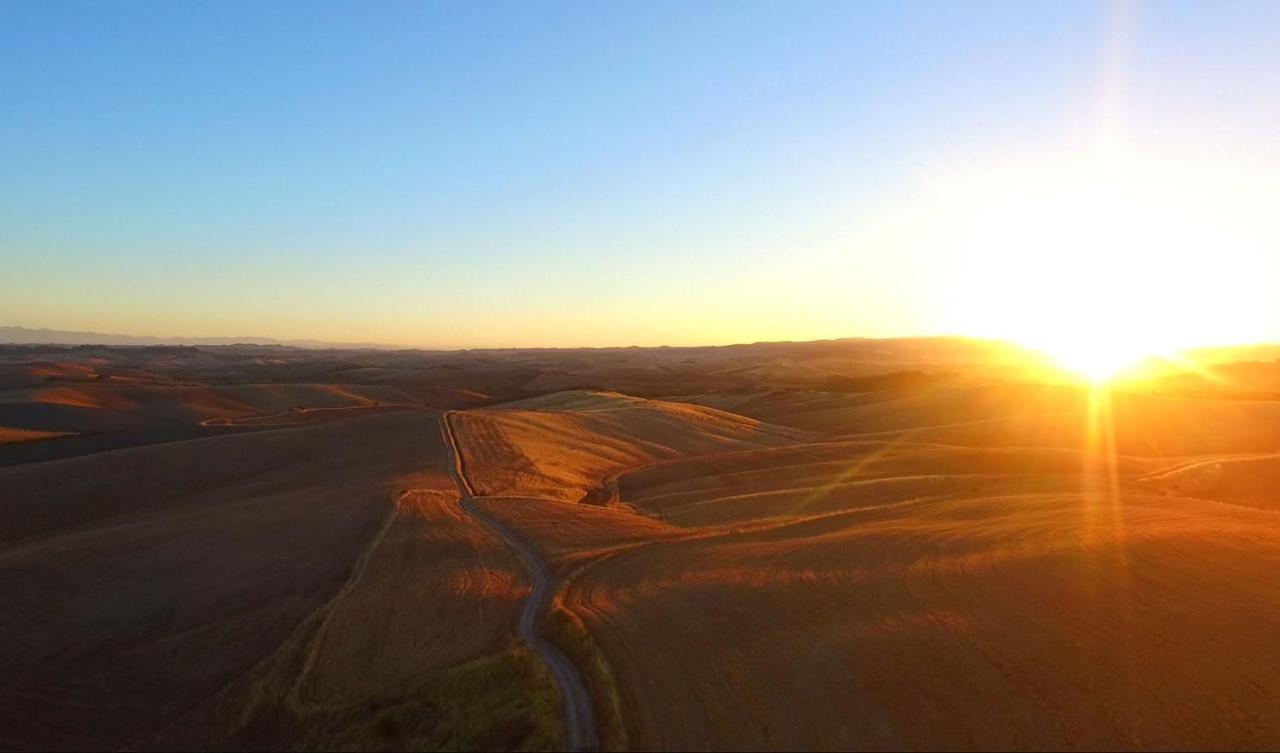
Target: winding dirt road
(579,719)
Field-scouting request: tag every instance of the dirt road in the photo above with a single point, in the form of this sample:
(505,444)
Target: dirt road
(579,719)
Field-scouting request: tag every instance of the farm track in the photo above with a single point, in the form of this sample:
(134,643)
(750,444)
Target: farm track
(579,717)
(329,607)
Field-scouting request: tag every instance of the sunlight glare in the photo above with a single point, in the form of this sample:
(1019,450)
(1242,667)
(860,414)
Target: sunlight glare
(1105,260)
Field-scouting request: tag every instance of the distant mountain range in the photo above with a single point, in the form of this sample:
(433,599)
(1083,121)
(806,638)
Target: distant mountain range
(922,349)
(26,336)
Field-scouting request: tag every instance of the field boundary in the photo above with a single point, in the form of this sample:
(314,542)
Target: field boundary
(579,716)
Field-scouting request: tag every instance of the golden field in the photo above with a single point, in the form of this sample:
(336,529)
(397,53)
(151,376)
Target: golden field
(910,563)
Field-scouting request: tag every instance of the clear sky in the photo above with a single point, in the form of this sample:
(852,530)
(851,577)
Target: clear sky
(594,173)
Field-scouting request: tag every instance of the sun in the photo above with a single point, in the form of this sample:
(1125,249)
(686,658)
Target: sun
(1097,362)
(1104,260)
(1096,342)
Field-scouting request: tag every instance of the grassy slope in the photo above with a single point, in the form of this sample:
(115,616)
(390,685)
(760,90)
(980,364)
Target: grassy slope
(111,406)
(571,442)
(1016,415)
(274,589)
(821,478)
(1036,620)
(890,592)
(18,436)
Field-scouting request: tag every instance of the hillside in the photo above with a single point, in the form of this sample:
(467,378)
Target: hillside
(565,445)
(257,590)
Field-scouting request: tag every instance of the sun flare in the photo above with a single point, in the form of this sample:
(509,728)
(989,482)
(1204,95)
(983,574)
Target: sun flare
(1105,259)
(1096,361)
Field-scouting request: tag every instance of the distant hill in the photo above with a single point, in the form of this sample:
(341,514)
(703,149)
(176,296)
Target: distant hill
(26,336)
(1263,353)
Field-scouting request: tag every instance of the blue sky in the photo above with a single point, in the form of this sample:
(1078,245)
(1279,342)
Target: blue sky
(554,173)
